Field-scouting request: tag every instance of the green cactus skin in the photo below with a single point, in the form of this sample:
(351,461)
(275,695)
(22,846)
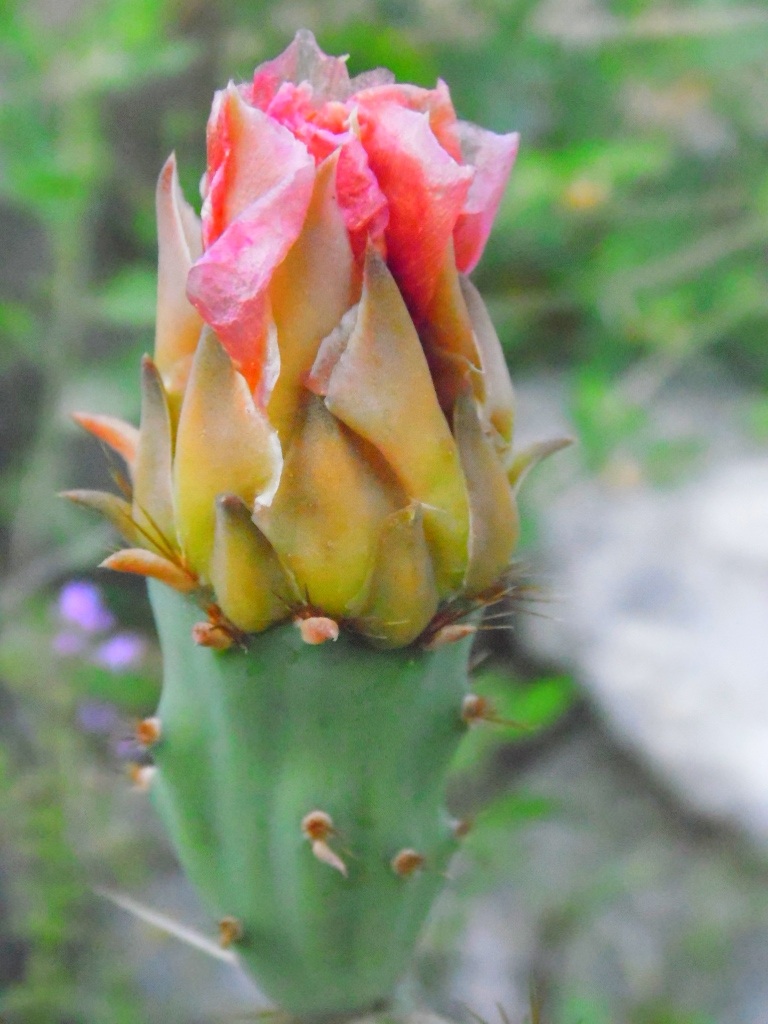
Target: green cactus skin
(252,741)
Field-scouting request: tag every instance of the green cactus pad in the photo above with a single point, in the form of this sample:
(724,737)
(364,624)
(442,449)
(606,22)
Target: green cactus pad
(252,741)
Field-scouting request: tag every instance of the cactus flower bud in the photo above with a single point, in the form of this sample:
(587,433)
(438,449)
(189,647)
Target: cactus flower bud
(327,419)
(325,443)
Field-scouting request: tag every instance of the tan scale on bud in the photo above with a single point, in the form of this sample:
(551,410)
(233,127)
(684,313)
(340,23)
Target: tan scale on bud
(141,776)
(317,629)
(476,709)
(461,828)
(230,931)
(450,634)
(406,862)
(148,731)
(318,828)
(210,634)
(317,825)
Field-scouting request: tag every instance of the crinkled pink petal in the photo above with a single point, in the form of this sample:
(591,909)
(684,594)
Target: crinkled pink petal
(333,115)
(228,284)
(363,205)
(301,61)
(435,102)
(425,189)
(248,154)
(291,104)
(492,157)
(320,142)
(326,130)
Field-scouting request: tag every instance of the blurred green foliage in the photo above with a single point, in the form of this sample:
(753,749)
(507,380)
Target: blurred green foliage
(629,251)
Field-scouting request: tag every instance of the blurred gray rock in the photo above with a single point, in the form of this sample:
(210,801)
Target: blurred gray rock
(660,603)
(613,906)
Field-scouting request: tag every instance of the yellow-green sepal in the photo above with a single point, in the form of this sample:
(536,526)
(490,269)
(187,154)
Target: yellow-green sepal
(224,445)
(326,516)
(251,587)
(494,525)
(381,388)
(113,508)
(400,595)
(152,490)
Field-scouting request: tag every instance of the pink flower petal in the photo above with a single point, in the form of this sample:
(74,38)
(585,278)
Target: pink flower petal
(492,156)
(228,284)
(301,61)
(248,154)
(434,102)
(291,105)
(320,141)
(363,205)
(426,190)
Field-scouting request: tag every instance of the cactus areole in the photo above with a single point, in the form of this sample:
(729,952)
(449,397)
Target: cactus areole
(322,493)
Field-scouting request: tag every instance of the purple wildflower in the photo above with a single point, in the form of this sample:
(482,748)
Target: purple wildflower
(81,603)
(121,652)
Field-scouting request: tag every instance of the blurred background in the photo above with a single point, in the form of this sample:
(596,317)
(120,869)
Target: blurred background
(619,864)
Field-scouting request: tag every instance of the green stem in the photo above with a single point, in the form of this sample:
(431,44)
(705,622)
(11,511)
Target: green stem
(253,741)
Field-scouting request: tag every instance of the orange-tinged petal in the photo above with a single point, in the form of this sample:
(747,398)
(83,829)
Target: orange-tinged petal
(310,292)
(152,491)
(179,239)
(224,445)
(425,189)
(494,523)
(117,510)
(148,563)
(499,403)
(121,437)
(251,586)
(382,389)
(400,594)
(325,519)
